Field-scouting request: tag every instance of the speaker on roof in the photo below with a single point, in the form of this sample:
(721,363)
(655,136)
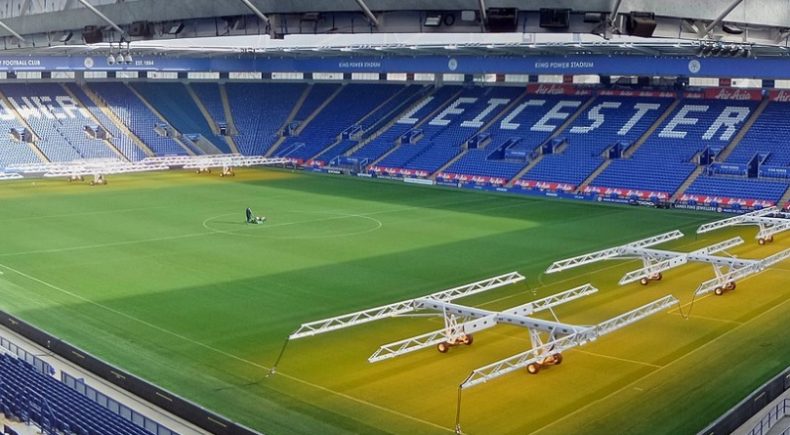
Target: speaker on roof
(92,34)
(641,24)
(555,18)
(502,19)
(140,29)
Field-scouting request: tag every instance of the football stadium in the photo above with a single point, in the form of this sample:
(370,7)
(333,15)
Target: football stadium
(380,217)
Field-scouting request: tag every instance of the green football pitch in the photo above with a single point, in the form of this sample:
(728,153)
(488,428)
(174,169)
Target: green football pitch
(158,274)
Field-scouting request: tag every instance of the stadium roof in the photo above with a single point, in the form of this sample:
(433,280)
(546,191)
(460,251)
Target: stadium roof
(394,27)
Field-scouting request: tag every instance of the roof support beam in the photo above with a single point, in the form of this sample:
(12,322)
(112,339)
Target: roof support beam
(368,13)
(257,12)
(613,12)
(103,17)
(11,31)
(709,28)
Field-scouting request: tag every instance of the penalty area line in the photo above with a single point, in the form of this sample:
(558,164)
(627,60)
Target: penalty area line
(222,352)
(616,358)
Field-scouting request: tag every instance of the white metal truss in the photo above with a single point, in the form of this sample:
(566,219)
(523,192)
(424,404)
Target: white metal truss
(230,160)
(461,321)
(9,176)
(674,259)
(770,221)
(216,160)
(485,319)
(385,311)
(606,254)
(97,167)
(558,345)
(81,168)
(656,261)
(726,281)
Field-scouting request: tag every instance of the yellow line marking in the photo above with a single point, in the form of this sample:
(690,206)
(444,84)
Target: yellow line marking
(630,385)
(222,352)
(714,319)
(600,355)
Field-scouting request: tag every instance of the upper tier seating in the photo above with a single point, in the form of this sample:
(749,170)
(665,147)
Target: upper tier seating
(422,108)
(319,92)
(173,101)
(212,100)
(136,116)
(664,161)
(259,112)
(529,124)
(445,136)
(57,120)
(352,103)
(607,120)
(119,139)
(12,152)
(384,114)
(446,133)
(767,135)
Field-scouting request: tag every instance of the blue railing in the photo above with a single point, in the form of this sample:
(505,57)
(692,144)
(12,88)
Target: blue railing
(79,385)
(775,414)
(40,366)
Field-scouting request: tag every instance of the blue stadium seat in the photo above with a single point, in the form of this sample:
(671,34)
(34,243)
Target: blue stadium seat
(136,116)
(664,161)
(173,101)
(259,112)
(57,120)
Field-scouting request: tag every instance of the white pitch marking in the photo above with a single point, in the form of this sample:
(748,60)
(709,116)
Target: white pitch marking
(220,351)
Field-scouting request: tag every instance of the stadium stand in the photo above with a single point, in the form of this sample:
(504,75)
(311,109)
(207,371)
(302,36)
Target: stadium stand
(260,111)
(378,118)
(446,136)
(210,97)
(607,120)
(13,151)
(767,136)
(57,120)
(666,159)
(735,189)
(317,95)
(515,138)
(173,101)
(388,139)
(469,133)
(121,141)
(347,108)
(29,395)
(136,116)
(425,111)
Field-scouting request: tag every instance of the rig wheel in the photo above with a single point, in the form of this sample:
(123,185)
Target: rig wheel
(644,281)
(760,241)
(443,347)
(659,276)
(533,368)
(557,358)
(468,339)
(770,239)
(718,291)
(730,286)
